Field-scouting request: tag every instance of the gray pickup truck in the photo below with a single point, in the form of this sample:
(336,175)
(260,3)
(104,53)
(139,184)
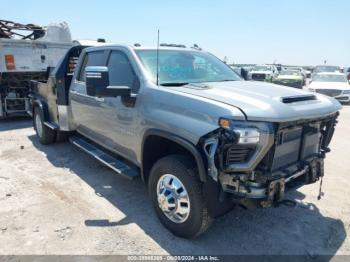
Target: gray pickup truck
(186,124)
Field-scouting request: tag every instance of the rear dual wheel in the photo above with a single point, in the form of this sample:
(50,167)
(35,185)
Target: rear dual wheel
(45,134)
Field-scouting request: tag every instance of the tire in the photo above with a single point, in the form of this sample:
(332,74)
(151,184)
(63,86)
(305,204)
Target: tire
(46,135)
(182,169)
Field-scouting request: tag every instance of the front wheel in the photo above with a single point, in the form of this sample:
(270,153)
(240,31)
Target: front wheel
(46,135)
(176,194)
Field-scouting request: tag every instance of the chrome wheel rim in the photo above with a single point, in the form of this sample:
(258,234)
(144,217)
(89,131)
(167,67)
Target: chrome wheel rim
(38,125)
(173,198)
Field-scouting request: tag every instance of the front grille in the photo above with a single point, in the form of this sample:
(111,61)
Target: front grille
(329,92)
(238,154)
(294,144)
(258,76)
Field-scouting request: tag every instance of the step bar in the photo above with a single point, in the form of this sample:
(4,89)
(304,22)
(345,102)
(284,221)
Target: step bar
(115,164)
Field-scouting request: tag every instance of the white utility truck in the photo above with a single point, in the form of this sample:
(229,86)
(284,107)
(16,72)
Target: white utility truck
(27,52)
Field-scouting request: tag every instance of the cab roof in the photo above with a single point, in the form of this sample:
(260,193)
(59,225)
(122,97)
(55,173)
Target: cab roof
(134,47)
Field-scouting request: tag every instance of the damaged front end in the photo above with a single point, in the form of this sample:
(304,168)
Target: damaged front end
(254,162)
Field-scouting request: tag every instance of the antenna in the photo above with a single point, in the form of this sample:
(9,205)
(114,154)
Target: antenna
(158,59)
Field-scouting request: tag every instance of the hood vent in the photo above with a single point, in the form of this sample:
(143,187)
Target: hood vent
(293,99)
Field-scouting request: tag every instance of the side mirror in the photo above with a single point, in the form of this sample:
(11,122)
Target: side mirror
(97,83)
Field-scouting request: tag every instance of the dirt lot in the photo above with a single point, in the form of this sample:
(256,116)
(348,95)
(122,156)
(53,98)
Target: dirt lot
(58,200)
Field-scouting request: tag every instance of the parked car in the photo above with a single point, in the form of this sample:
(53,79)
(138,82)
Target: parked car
(347,73)
(331,84)
(263,73)
(188,126)
(292,78)
(303,72)
(326,68)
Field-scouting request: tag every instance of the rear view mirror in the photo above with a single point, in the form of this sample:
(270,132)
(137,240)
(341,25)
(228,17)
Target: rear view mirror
(97,83)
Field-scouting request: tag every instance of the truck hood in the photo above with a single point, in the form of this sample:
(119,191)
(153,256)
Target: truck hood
(289,77)
(261,72)
(263,101)
(330,85)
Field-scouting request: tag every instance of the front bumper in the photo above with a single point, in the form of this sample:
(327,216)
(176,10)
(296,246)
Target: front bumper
(292,156)
(272,191)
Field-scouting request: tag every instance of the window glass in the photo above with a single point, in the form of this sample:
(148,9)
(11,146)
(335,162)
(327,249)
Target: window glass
(290,72)
(319,69)
(182,66)
(120,70)
(96,58)
(328,78)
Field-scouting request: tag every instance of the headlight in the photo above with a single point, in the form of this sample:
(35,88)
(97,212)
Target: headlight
(346,92)
(311,89)
(247,135)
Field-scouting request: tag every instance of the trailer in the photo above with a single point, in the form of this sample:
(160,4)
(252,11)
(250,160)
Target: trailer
(27,52)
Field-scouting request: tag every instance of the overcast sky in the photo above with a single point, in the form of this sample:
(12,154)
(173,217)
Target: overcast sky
(303,32)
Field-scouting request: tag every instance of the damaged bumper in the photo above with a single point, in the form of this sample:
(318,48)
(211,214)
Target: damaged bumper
(286,155)
(271,192)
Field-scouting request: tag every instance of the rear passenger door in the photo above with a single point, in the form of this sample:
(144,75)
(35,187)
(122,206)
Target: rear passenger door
(86,109)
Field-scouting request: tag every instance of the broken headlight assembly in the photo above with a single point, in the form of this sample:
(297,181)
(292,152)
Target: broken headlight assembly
(244,144)
(245,135)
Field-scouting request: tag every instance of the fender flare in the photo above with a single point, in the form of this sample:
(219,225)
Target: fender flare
(43,109)
(182,142)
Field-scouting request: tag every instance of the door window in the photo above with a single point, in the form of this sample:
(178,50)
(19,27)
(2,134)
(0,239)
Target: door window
(121,72)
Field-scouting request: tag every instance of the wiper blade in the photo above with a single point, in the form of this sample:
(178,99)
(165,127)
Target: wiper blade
(174,84)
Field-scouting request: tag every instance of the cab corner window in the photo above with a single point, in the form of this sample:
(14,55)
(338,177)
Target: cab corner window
(94,58)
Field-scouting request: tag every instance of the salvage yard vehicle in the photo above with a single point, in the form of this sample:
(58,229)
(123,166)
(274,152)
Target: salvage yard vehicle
(291,78)
(301,70)
(347,73)
(263,73)
(186,124)
(326,69)
(26,53)
(331,84)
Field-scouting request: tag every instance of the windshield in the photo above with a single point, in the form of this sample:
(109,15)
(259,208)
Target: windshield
(327,69)
(262,68)
(329,78)
(290,73)
(177,66)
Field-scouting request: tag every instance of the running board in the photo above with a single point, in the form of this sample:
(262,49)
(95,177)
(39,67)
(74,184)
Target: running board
(110,161)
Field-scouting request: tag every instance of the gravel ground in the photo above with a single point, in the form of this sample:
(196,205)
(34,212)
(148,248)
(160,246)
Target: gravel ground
(58,200)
